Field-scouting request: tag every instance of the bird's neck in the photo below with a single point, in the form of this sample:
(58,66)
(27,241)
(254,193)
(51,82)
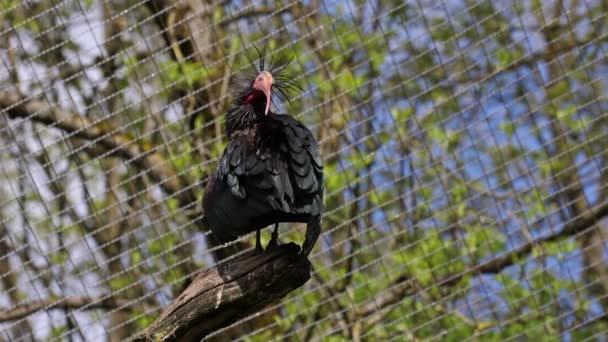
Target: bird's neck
(243,117)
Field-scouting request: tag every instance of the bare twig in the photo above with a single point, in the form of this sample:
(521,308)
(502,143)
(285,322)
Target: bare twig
(113,142)
(403,286)
(75,303)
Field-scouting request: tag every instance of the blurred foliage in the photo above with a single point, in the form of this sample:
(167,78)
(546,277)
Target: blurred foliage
(453,132)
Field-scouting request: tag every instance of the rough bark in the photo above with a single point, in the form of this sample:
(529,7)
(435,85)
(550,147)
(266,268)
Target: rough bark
(221,295)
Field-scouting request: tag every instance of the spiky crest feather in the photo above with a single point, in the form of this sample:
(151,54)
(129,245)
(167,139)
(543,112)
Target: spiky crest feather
(242,114)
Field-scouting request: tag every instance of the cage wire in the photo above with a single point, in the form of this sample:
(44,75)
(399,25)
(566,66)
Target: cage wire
(464,145)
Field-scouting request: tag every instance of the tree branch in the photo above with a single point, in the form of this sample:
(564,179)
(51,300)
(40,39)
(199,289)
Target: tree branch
(91,303)
(253,12)
(404,286)
(99,135)
(497,264)
(221,295)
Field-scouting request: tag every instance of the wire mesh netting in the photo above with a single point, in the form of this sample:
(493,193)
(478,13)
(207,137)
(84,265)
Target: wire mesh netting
(464,144)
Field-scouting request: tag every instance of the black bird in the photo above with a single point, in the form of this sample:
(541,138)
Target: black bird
(271,170)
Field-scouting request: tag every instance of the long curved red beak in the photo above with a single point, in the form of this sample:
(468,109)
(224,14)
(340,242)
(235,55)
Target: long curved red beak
(263,83)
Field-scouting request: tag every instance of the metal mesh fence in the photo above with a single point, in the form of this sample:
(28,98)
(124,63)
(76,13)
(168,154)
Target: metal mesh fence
(465,153)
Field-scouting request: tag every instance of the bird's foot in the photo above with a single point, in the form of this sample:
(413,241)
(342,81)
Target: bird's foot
(274,241)
(259,250)
(272,245)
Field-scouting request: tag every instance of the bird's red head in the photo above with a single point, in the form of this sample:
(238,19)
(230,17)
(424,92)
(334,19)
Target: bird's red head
(254,90)
(262,85)
(262,81)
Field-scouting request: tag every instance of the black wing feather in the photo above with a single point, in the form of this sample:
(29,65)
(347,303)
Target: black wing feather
(279,177)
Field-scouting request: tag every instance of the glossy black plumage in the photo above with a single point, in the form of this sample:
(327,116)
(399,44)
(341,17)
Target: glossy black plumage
(270,171)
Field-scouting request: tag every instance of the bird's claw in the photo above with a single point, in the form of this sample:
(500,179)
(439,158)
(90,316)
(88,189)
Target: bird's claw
(274,239)
(259,250)
(272,244)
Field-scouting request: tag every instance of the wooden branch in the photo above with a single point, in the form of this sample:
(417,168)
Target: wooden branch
(99,135)
(405,286)
(91,303)
(221,295)
(495,265)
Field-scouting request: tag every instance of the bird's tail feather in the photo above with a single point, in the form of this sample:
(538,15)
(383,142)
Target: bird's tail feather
(313,230)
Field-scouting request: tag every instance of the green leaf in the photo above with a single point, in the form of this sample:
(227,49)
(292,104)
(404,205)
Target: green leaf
(566,113)
(136,257)
(507,127)
(504,57)
(401,115)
